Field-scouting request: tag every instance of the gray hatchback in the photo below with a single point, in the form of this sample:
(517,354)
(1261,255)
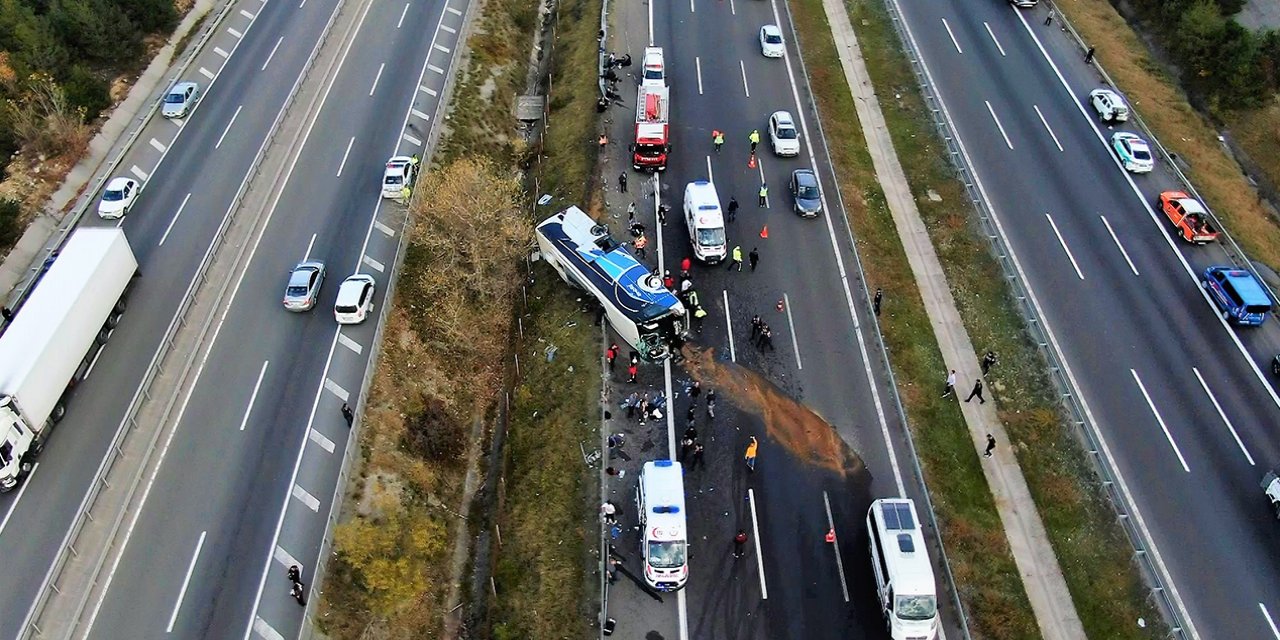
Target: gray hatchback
(804,188)
(303,289)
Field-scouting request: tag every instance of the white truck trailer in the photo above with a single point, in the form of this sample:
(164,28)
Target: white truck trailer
(55,337)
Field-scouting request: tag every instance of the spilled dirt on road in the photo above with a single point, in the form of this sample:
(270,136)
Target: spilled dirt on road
(804,433)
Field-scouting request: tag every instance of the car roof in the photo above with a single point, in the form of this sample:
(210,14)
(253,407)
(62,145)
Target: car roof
(349,292)
(182,86)
(117,184)
(803,175)
(771,29)
(1246,285)
(309,264)
(783,117)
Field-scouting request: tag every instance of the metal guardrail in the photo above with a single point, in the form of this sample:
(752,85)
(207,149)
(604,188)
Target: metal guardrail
(67,549)
(1022,294)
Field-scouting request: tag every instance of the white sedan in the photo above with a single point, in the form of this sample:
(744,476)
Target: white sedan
(783,134)
(355,299)
(1133,151)
(771,44)
(118,198)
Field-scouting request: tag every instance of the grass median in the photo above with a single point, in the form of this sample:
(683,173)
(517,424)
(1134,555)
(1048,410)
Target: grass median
(1095,557)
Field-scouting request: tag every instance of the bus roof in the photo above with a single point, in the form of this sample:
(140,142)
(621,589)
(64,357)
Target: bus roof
(904,551)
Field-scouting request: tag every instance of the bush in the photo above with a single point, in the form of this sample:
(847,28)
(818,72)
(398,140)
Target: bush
(45,120)
(434,435)
(10,223)
(87,91)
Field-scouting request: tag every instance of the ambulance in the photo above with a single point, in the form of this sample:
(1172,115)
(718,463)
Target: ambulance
(705,221)
(664,545)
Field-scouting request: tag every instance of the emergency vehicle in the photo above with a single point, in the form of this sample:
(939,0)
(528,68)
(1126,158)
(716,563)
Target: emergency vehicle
(653,105)
(664,545)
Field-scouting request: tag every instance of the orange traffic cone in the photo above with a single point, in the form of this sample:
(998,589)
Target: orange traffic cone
(764,233)
(831,535)
(751,163)
(781,306)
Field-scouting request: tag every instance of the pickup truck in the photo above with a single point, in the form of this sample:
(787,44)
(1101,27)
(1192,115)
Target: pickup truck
(1271,487)
(1188,216)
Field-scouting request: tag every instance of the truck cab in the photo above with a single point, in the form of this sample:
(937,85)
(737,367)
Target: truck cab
(1271,489)
(19,443)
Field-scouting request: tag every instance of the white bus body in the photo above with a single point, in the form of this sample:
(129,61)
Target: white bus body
(904,576)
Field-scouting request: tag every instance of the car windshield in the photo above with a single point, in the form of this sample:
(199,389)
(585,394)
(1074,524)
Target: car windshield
(786,133)
(916,607)
(711,237)
(666,555)
(113,195)
(1141,154)
(653,73)
(806,190)
(772,38)
(175,98)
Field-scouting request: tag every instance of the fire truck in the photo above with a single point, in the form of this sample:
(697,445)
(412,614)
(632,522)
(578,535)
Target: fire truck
(653,105)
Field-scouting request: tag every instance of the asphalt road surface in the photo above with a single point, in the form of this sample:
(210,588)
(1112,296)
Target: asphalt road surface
(215,527)
(1179,397)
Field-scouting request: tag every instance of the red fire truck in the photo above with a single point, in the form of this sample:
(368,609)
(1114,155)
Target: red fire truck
(653,104)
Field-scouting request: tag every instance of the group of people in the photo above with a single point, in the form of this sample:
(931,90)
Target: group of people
(644,407)
(633,366)
(761,334)
(691,448)
(298,590)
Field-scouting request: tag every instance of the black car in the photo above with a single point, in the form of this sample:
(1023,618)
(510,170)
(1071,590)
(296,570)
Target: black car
(805,191)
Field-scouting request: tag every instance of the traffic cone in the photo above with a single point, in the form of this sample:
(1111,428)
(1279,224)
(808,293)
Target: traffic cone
(764,232)
(751,163)
(831,535)
(781,306)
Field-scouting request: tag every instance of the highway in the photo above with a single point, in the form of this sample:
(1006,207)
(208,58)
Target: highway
(1179,397)
(834,436)
(248,476)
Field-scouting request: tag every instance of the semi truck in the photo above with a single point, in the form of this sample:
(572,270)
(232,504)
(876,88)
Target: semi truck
(645,314)
(653,107)
(54,339)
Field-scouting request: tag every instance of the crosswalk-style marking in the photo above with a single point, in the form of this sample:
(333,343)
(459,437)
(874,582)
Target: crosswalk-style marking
(157,145)
(324,442)
(349,343)
(136,171)
(306,498)
(220,51)
(453,11)
(247,14)
(435,69)
(391,233)
(235,33)
(373,264)
(336,390)
(448,28)
(441,47)
(419,114)
(206,73)
(265,630)
(412,140)
(428,90)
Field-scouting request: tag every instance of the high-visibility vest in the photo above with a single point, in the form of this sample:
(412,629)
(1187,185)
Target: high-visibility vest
(754,137)
(764,190)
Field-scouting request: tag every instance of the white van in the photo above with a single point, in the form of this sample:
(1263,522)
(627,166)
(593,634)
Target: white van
(705,221)
(904,576)
(664,544)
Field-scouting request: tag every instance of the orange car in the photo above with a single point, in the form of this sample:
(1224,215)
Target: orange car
(1188,216)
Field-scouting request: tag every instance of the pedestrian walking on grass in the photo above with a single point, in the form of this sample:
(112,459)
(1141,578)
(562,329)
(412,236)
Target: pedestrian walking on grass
(622,182)
(752,449)
(736,258)
(1088,55)
(740,544)
(632,370)
(611,354)
(754,257)
(977,391)
(875,302)
(988,361)
(1049,18)
(991,446)
(733,208)
(348,414)
(950,386)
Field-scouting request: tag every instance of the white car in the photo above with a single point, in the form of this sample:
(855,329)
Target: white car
(399,173)
(180,99)
(1133,151)
(771,44)
(783,134)
(653,72)
(355,299)
(1109,105)
(118,198)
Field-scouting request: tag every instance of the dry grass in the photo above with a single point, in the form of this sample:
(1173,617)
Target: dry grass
(1184,131)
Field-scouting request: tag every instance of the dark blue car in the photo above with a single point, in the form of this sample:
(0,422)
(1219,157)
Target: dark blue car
(1237,293)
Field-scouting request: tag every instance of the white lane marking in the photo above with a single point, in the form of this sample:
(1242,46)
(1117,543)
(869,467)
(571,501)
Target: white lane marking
(377,77)
(305,497)
(993,38)
(246,14)
(691,9)
(157,145)
(682,604)
(835,545)
(138,172)
(795,344)
(1222,414)
(728,322)
(697,65)
(999,126)
(428,90)
(953,37)
(448,28)
(388,231)
(453,11)
(346,153)
(710,178)
(1064,246)
(206,73)
(1047,127)
(402,15)
(1168,436)
(435,69)
(229,123)
(1270,623)
(222,52)
(1119,246)
(235,33)
(269,56)
(335,388)
(186,582)
(349,343)
(743,66)
(321,440)
(310,245)
(440,47)
(262,627)
(411,140)
(419,114)
(733,9)
(373,264)
(285,558)
(253,397)
(18,498)
(755,527)
(175,219)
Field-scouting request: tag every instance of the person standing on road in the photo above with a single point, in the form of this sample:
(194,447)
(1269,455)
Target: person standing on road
(685,266)
(737,258)
(752,449)
(756,322)
(1048,20)
(632,370)
(662,213)
(991,446)
(977,391)
(988,361)
(640,243)
(766,338)
(754,257)
(694,390)
(711,404)
(764,194)
(717,139)
(295,573)
(1088,55)
(298,594)
(740,544)
(611,354)
(875,302)
(754,139)
(622,182)
(348,414)
(695,458)
(950,386)
(733,208)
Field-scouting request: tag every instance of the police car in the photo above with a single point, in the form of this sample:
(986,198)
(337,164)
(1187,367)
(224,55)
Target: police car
(1133,151)
(400,173)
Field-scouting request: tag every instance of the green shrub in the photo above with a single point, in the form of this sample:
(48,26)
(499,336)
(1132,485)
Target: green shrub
(87,90)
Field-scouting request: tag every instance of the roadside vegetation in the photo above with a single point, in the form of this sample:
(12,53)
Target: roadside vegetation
(1094,555)
(463,309)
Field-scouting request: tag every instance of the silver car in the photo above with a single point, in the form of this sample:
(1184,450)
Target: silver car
(180,99)
(303,289)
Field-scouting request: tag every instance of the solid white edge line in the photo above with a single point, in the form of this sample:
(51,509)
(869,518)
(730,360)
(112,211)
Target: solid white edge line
(998,125)
(346,153)
(795,344)
(1119,246)
(1163,427)
(1047,127)
(755,527)
(953,37)
(835,545)
(272,54)
(18,498)
(743,66)
(1270,623)
(186,582)
(728,322)
(229,123)
(993,38)
(1065,248)
(174,220)
(1222,414)
(253,397)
